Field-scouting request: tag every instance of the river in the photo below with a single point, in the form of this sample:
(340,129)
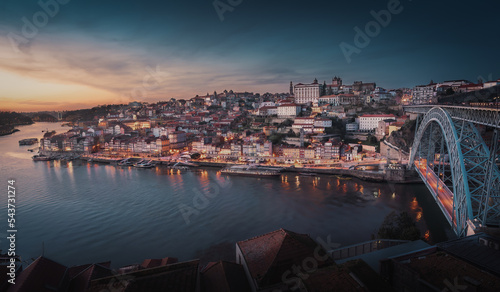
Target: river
(76,212)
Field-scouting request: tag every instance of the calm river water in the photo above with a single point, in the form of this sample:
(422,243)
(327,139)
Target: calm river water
(78,212)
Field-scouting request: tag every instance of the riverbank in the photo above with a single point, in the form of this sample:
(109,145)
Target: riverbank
(387,175)
(7,130)
(399,175)
(98,205)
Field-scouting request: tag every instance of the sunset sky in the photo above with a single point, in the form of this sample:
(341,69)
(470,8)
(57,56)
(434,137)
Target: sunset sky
(99,52)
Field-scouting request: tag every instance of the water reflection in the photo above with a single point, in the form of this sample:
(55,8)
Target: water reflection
(427,235)
(99,219)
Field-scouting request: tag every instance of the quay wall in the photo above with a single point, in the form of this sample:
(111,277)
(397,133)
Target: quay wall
(388,175)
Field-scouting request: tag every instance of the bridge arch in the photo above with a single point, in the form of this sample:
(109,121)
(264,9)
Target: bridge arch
(462,202)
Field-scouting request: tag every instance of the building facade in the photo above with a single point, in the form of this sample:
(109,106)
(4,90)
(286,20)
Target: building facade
(306,93)
(424,94)
(370,122)
(288,110)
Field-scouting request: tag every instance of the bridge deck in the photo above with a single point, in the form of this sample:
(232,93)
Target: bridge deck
(478,115)
(442,194)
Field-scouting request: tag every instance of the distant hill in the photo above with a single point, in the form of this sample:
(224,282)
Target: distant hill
(42,117)
(89,114)
(14,119)
(10,119)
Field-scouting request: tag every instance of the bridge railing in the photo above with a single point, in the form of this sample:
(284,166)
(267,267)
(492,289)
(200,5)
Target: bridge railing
(478,115)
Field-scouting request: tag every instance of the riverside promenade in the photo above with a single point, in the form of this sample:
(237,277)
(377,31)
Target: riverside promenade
(393,174)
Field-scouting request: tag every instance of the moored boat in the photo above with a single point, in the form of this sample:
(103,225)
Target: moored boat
(251,171)
(41,158)
(29,141)
(125,162)
(145,164)
(308,173)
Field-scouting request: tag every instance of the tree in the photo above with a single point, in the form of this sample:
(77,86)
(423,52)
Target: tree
(371,139)
(286,123)
(399,226)
(291,133)
(276,139)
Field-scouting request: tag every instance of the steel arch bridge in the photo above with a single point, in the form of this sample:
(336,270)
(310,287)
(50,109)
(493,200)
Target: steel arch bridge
(457,166)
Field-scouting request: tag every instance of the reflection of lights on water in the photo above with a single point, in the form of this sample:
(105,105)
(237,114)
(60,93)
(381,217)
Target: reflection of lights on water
(427,235)
(414,204)
(361,189)
(393,195)
(284,180)
(419,216)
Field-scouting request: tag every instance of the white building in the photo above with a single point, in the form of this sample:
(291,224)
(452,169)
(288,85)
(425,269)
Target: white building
(329,99)
(380,94)
(322,123)
(306,93)
(489,84)
(304,123)
(289,110)
(158,132)
(370,122)
(266,103)
(268,111)
(423,94)
(454,84)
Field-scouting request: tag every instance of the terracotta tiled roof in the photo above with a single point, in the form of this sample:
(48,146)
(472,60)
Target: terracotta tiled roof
(224,276)
(289,104)
(41,275)
(268,107)
(270,255)
(475,250)
(175,277)
(377,116)
(152,263)
(438,267)
(81,282)
(325,279)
